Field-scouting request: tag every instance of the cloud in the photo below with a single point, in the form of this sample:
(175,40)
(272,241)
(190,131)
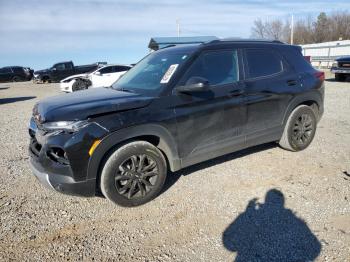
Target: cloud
(86,29)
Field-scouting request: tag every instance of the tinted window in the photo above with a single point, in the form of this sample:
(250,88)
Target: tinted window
(5,70)
(120,68)
(60,66)
(17,70)
(262,62)
(219,67)
(106,70)
(69,66)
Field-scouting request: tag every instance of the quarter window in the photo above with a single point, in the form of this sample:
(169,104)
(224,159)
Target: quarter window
(262,62)
(218,67)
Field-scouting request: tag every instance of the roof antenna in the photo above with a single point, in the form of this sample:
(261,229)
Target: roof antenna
(178,27)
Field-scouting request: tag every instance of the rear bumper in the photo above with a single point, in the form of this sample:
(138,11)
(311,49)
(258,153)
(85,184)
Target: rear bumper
(62,183)
(336,70)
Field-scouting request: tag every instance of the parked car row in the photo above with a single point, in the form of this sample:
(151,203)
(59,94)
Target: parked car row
(103,76)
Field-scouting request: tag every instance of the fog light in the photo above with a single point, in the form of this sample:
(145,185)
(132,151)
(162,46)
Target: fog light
(93,147)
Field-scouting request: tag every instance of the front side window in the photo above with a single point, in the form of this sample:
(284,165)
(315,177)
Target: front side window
(218,67)
(263,62)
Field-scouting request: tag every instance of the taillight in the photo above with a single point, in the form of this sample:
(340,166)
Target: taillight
(320,75)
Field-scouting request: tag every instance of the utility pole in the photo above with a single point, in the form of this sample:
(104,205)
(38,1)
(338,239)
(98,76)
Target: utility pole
(178,27)
(292,30)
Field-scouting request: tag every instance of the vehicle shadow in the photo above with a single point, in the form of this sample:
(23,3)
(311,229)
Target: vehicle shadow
(173,177)
(15,99)
(270,232)
(333,80)
(4,87)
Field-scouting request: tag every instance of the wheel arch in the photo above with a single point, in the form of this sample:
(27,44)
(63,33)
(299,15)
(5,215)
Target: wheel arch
(314,100)
(155,134)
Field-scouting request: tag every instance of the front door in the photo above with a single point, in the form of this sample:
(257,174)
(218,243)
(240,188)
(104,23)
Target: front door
(210,123)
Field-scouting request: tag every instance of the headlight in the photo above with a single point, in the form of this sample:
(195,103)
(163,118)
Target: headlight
(335,64)
(71,126)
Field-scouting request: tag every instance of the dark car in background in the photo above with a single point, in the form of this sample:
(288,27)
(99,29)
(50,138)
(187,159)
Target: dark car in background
(177,107)
(15,74)
(62,70)
(341,68)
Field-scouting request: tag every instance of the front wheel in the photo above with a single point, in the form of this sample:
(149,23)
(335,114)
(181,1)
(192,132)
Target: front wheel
(300,129)
(133,174)
(79,85)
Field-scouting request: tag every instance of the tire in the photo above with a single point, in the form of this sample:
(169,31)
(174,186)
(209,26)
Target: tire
(300,129)
(16,79)
(339,77)
(79,85)
(126,182)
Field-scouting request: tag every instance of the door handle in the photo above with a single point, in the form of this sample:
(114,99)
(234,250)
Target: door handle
(291,82)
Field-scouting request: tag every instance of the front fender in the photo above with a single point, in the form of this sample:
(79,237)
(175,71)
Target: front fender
(166,143)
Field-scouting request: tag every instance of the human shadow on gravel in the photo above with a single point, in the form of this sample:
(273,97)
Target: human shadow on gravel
(173,177)
(15,99)
(270,232)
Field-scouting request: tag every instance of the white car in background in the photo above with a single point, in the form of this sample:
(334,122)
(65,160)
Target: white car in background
(104,76)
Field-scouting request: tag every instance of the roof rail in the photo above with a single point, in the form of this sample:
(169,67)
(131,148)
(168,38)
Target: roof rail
(237,39)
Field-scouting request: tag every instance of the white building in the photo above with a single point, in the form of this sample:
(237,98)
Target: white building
(324,54)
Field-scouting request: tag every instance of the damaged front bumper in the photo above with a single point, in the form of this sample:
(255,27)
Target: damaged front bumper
(60,160)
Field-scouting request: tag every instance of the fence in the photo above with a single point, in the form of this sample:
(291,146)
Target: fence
(323,55)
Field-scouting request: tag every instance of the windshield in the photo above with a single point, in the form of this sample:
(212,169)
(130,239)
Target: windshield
(151,73)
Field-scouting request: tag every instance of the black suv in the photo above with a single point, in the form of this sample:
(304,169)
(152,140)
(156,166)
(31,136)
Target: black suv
(15,74)
(177,107)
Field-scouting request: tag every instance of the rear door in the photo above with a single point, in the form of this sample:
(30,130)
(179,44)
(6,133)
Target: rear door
(210,123)
(270,83)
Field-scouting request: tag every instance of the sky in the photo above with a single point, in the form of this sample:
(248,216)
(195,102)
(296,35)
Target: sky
(39,33)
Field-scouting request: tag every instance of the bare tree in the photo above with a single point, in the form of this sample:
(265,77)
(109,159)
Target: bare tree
(306,30)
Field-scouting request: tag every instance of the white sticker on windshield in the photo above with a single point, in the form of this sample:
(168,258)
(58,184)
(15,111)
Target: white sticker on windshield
(167,76)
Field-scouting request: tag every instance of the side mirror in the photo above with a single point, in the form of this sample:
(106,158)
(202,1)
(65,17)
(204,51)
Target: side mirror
(98,73)
(194,84)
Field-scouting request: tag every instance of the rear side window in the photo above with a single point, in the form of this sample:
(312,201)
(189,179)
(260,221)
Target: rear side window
(5,70)
(106,70)
(263,62)
(60,67)
(218,67)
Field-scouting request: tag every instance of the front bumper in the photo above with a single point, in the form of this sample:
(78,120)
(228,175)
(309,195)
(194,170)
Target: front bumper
(66,86)
(68,176)
(336,70)
(61,183)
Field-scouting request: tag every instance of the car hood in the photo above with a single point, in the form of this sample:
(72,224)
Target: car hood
(343,59)
(84,104)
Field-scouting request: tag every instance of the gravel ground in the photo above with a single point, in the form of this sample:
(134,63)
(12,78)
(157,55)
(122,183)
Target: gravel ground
(254,205)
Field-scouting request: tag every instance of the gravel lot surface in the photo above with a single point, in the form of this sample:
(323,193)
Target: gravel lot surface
(261,204)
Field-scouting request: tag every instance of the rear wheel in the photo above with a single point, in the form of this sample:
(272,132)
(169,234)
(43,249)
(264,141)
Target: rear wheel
(133,174)
(300,129)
